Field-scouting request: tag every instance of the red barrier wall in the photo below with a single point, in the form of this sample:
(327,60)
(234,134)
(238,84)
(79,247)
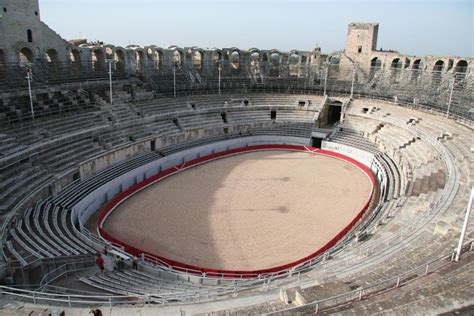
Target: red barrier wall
(227,273)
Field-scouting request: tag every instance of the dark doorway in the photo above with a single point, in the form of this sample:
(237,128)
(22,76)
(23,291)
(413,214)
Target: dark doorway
(273,114)
(153,145)
(224,117)
(334,113)
(316,142)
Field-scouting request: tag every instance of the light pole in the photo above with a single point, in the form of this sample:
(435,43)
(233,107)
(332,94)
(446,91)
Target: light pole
(326,79)
(464,226)
(29,78)
(219,78)
(450,96)
(174,80)
(110,61)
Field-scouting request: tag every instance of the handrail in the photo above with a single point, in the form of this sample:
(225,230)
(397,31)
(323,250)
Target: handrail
(87,300)
(388,284)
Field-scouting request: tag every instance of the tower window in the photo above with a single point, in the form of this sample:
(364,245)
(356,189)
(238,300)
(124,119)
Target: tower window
(30,36)
(359,49)
(36,13)
(4,9)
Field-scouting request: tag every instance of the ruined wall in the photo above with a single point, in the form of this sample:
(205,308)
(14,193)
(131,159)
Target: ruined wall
(22,29)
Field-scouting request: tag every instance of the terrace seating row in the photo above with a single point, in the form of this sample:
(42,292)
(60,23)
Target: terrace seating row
(18,181)
(354,138)
(45,231)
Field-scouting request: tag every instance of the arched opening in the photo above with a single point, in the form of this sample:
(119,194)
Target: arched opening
(119,58)
(2,56)
(216,59)
(255,60)
(51,56)
(235,60)
(188,55)
(177,57)
(275,60)
(334,63)
(109,53)
(293,65)
(396,63)
(25,56)
(140,59)
(417,69)
(418,64)
(396,67)
(264,57)
(52,60)
(158,59)
(376,63)
(461,67)
(98,60)
(438,66)
(75,58)
(197,60)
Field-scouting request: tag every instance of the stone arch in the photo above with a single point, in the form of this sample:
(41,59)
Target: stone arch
(461,67)
(2,56)
(75,58)
(198,59)
(177,57)
(396,70)
(418,64)
(376,63)
(25,55)
(97,59)
(293,64)
(52,61)
(216,57)
(255,59)
(438,66)
(275,60)
(119,57)
(417,69)
(140,59)
(188,56)
(396,63)
(158,58)
(234,59)
(109,52)
(51,56)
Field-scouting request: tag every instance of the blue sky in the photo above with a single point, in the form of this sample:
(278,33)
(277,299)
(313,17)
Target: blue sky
(422,27)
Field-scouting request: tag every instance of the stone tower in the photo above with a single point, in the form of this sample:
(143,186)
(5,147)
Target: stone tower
(361,38)
(21,29)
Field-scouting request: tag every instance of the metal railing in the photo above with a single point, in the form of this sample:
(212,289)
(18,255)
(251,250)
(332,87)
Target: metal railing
(377,288)
(202,295)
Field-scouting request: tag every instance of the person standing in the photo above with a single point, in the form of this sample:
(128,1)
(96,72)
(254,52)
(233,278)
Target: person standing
(117,263)
(99,261)
(135,263)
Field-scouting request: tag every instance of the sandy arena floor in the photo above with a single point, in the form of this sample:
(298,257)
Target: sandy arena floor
(246,212)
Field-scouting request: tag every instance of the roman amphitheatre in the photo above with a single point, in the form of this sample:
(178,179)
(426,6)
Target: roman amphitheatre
(232,181)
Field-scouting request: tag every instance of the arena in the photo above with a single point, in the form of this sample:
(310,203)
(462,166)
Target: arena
(248,196)
(227,181)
